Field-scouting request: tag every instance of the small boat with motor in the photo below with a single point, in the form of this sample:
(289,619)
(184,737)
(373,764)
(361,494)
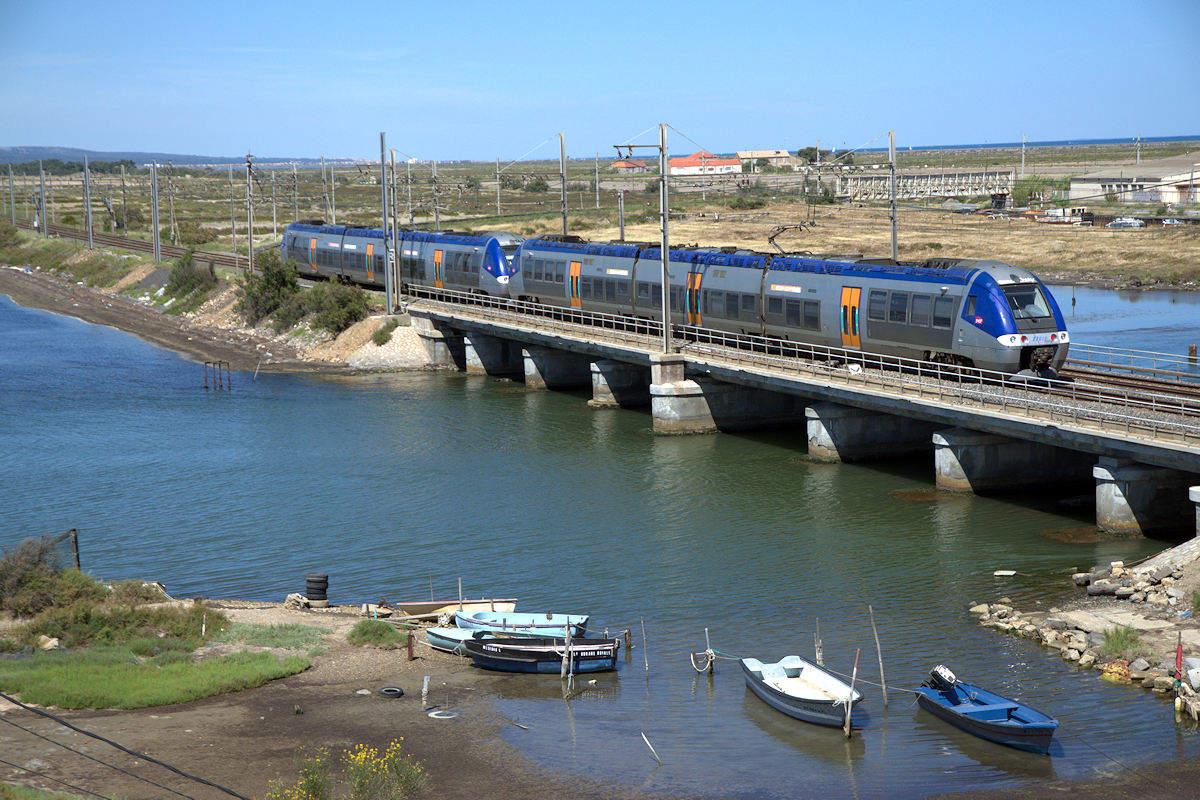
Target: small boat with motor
(801,689)
(450,640)
(416,608)
(543,654)
(985,714)
(522,624)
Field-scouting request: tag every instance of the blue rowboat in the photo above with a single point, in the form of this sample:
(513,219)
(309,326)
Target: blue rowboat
(522,624)
(985,714)
(450,640)
(543,654)
(801,689)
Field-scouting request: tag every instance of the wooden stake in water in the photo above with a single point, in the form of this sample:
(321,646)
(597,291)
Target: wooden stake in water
(646,654)
(431,586)
(647,741)
(460,608)
(817,644)
(882,681)
(850,697)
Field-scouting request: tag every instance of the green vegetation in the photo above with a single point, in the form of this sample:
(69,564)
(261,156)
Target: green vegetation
(123,649)
(376,633)
(262,294)
(366,774)
(537,185)
(287,637)
(275,293)
(94,268)
(54,166)
(741,202)
(9,235)
(189,284)
(10,791)
(1124,642)
(384,334)
(1196,602)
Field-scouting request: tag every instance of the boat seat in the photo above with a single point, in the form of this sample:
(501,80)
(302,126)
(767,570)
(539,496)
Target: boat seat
(773,672)
(990,710)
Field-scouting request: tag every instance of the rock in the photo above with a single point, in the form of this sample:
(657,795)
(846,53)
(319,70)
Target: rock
(45,642)
(1148,681)
(979,609)
(1005,601)
(295,600)
(362,691)
(1082,578)
(1138,665)
(1104,586)
(1056,624)
(1095,639)
(1163,684)
(999,610)
(1070,654)
(1157,599)
(1176,593)
(1124,592)
(1115,565)
(1138,597)
(1087,659)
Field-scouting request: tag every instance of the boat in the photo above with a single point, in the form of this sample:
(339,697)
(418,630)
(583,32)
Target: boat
(801,689)
(543,654)
(450,640)
(522,624)
(985,714)
(416,608)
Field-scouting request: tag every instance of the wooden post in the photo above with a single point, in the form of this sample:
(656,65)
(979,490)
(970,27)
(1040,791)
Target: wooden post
(645,647)
(882,681)
(850,697)
(74,534)
(817,644)
(411,657)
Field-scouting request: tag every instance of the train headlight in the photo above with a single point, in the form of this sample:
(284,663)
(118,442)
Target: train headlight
(1064,336)
(1012,340)
(1024,339)
(502,280)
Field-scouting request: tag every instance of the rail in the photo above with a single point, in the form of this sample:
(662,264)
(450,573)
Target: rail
(1102,357)
(168,251)
(1161,417)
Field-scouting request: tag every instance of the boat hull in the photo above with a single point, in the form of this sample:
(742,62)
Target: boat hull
(416,608)
(543,655)
(818,710)
(523,624)
(450,640)
(990,716)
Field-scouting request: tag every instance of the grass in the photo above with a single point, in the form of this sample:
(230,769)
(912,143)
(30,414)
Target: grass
(365,774)
(384,334)
(286,637)
(115,677)
(376,633)
(9,791)
(1124,642)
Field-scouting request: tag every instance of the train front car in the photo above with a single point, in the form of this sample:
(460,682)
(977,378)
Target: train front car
(1011,323)
(499,252)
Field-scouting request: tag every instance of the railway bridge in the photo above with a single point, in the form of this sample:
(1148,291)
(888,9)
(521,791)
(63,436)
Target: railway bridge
(1139,448)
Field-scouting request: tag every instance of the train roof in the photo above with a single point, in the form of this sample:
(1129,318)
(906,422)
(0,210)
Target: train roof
(450,237)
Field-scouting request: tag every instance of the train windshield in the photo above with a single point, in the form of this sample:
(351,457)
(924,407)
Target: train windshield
(1027,301)
(509,252)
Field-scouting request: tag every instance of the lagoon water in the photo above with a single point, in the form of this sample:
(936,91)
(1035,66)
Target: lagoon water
(383,481)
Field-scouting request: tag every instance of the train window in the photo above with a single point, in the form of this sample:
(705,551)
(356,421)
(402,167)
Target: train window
(474,262)
(793,313)
(643,291)
(774,305)
(560,270)
(535,269)
(1026,301)
(657,291)
(585,288)
(970,312)
(610,291)
(623,290)
(732,302)
(812,315)
(943,312)
(674,298)
(750,304)
(713,302)
(921,304)
(898,307)
(877,305)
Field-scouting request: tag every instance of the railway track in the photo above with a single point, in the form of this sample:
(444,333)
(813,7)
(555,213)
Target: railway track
(168,251)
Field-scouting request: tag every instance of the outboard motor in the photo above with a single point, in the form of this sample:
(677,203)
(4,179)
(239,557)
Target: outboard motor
(941,679)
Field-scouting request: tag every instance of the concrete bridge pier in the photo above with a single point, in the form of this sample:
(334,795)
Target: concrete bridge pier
(844,433)
(971,461)
(677,405)
(492,355)
(619,384)
(548,368)
(443,345)
(702,405)
(1135,499)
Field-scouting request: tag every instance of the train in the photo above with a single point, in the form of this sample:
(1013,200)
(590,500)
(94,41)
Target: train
(965,312)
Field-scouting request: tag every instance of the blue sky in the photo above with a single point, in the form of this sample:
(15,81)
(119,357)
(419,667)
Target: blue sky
(467,80)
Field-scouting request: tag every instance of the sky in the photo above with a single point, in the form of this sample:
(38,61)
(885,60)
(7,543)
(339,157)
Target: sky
(485,80)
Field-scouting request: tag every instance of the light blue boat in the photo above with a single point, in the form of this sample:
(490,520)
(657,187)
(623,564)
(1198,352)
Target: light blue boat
(522,624)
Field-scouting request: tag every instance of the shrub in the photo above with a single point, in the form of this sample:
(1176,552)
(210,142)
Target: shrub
(384,334)
(335,307)
(537,185)
(9,235)
(261,294)
(746,202)
(27,575)
(375,633)
(191,233)
(187,276)
(1124,642)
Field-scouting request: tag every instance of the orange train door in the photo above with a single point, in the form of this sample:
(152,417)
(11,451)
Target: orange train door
(573,284)
(312,254)
(437,269)
(692,298)
(849,317)
(370,263)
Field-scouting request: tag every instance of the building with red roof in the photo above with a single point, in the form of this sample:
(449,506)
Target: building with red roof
(703,162)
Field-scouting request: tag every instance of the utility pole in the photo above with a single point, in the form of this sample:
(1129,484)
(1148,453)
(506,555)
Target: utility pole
(274,224)
(87,199)
(171,203)
(666,253)
(408,162)
(154,211)
(892,189)
(332,195)
(395,227)
(597,179)
(233,218)
(383,188)
(1022,156)
(295,194)
(437,215)
(12,196)
(124,205)
(250,211)
(42,178)
(497,186)
(1139,148)
(562,174)
(324,191)
(621,212)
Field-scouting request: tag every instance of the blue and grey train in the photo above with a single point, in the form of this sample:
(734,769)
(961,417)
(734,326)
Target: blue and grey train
(965,312)
(446,260)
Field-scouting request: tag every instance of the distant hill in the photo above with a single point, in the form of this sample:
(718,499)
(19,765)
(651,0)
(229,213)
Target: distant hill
(22,155)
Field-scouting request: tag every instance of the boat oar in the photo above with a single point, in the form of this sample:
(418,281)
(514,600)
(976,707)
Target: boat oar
(850,696)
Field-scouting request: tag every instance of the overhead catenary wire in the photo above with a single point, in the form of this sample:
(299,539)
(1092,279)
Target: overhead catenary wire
(122,748)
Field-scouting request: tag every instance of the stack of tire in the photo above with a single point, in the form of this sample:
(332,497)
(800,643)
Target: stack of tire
(316,584)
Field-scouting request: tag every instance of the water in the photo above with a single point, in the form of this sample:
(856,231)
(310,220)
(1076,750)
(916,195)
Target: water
(383,481)
(1158,321)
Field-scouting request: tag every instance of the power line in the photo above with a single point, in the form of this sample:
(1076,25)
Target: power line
(120,747)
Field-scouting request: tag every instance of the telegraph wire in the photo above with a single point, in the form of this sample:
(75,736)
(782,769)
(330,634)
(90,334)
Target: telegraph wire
(121,747)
